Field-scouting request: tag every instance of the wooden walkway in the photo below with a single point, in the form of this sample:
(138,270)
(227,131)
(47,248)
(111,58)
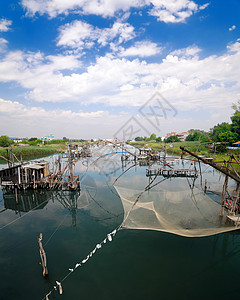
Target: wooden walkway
(172,172)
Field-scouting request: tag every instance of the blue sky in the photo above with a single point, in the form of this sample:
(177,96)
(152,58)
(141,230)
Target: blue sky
(85,69)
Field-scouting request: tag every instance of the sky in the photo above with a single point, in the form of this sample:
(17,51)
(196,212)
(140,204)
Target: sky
(117,68)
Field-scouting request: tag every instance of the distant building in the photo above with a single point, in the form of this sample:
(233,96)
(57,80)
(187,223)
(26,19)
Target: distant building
(48,138)
(18,140)
(170,134)
(181,135)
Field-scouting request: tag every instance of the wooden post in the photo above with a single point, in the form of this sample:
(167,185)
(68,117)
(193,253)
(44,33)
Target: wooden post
(43,256)
(226,172)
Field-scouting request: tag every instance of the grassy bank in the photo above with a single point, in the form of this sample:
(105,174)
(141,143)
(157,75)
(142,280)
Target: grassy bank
(34,150)
(195,147)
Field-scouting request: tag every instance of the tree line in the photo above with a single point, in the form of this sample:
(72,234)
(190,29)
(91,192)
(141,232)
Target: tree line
(223,132)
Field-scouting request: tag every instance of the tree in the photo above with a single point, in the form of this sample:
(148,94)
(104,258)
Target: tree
(172,139)
(153,137)
(197,134)
(235,126)
(218,129)
(5,141)
(139,139)
(32,139)
(228,136)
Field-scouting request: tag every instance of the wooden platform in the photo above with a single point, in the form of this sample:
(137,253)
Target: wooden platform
(172,172)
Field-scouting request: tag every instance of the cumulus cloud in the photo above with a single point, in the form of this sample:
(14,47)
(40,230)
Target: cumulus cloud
(141,49)
(4,25)
(3,44)
(189,51)
(34,71)
(182,76)
(104,8)
(37,121)
(168,11)
(80,35)
(174,11)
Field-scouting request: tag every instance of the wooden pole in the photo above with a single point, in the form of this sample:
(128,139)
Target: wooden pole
(226,172)
(43,256)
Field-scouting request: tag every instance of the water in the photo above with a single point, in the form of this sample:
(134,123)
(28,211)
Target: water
(137,264)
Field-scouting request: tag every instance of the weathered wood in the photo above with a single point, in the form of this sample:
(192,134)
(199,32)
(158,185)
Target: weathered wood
(43,256)
(172,172)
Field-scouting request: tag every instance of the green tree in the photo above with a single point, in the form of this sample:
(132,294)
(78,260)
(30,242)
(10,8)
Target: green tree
(32,139)
(228,136)
(172,139)
(197,134)
(139,139)
(5,141)
(153,137)
(218,129)
(235,126)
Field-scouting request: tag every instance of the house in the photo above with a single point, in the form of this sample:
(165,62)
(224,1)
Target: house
(182,135)
(237,144)
(170,134)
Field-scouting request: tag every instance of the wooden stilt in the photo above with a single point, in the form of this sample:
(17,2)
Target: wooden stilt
(43,256)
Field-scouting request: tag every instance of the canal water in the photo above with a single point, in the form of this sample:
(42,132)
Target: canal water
(143,260)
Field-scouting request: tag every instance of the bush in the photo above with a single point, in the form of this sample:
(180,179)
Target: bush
(5,141)
(221,148)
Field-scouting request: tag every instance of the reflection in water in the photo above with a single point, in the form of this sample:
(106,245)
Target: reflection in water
(25,201)
(69,200)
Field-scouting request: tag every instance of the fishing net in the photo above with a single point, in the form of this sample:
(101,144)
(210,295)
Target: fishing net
(185,206)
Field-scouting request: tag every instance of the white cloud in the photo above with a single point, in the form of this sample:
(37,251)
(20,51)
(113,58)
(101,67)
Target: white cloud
(232,28)
(37,73)
(3,44)
(141,49)
(189,51)
(80,35)
(17,109)
(76,34)
(4,24)
(37,121)
(168,11)
(97,7)
(174,11)
(183,77)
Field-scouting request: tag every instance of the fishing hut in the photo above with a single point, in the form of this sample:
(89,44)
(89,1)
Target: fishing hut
(23,176)
(34,175)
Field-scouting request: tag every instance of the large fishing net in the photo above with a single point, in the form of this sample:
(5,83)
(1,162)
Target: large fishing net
(181,205)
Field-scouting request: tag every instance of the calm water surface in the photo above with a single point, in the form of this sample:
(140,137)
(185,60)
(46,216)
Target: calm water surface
(137,264)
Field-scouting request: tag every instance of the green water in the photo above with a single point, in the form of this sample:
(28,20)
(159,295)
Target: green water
(137,264)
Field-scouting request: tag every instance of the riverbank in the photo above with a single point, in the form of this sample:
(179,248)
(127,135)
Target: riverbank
(30,151)
(199,149)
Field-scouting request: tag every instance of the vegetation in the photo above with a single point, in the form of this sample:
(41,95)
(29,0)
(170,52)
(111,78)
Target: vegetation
(235,126)
(33,150)
(198,135)
(172,139)
(5,141)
